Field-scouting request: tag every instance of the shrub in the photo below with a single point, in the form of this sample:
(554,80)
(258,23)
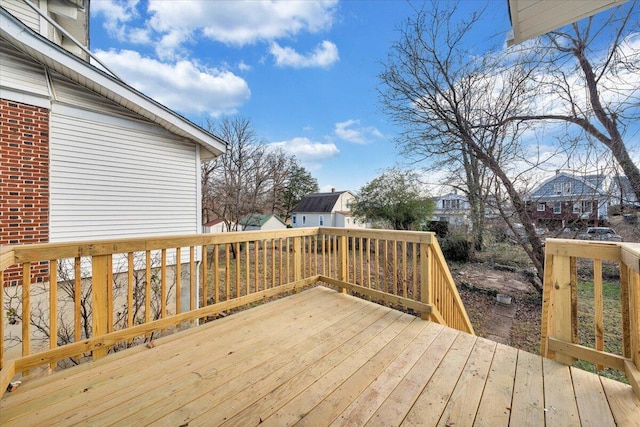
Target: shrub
(457,248)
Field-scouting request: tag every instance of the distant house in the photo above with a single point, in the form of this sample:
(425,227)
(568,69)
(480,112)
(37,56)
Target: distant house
(452,208)
(258,221)
(217,226)
(84,155)
(622,194)
(326,210)
(566,198)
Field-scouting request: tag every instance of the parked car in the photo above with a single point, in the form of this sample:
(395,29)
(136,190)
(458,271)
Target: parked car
(600,233)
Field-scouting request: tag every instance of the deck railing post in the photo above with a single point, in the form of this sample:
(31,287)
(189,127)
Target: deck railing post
(100,266)
(561,307)
(343,253)
(426,291)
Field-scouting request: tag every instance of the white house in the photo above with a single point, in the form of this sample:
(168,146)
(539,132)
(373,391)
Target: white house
(257,221)
(217,226)
(85,156)
(452,208)
(326,210)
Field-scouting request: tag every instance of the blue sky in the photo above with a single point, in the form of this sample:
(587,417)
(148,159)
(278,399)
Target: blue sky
(303,72)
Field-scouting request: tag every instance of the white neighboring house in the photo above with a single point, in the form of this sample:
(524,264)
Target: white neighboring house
(258,221)
(452,208)
(326,210)
(87,156)
(217,226)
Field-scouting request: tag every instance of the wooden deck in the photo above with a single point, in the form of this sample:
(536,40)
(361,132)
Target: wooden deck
(322,358)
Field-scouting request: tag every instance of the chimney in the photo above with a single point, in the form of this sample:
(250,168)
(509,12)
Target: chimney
(333,190)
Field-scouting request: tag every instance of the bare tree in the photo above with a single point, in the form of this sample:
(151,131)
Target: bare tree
(237,183)
(587,76)
(442,94)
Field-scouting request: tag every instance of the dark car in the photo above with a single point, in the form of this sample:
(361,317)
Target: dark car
(600,233)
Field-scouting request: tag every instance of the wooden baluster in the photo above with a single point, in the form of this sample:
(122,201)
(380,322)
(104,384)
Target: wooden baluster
(426,284)
(178,280)
(404,268)
(297,258)
(53,306)
(205,271)
(343,255)
(625,274)
(598,306)
(256,272)
(147,286)
(130,285)
(395,267)
(26,310)
(247,266)
(163,284)
(227,269)
(414,247)
(237,269)
(77,299)
(273,263)
(192,278)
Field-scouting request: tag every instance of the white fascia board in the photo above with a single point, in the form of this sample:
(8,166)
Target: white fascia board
(87,75)
(544,21)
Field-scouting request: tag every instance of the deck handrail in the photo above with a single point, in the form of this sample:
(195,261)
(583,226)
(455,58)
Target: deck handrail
(135,287)
(560,322)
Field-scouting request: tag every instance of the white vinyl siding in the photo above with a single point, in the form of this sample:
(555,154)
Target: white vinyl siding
(24,13)
(70,93)
(20,73)
(112,177)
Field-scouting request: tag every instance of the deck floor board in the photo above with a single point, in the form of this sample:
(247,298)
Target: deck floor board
(321,357)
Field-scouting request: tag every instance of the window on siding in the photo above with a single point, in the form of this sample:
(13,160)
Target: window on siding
(304,219)
(587,206)
(557,207)
(562,188)
(542,207)
(577,208)
(451,204)
(321,220)
(293,219)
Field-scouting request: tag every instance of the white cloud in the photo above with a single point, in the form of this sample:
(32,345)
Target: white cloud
(243,66)
(351,131)
(242,23)
(183,86)
(324,55)
(307,151)
(116,14)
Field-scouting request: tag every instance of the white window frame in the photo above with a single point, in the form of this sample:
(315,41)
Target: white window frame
(587,206)
(577,208)
(557,208)
(321,220)
(541,207)
(304,219)
(293,219)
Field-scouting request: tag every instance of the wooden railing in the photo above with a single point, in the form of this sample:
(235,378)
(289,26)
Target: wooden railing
(560,317)
(105,295)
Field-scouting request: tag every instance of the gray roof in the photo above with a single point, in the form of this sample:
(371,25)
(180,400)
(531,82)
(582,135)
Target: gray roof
(318,202)
(257,219)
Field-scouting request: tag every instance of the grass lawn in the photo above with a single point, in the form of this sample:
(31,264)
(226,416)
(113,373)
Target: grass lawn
(612,324)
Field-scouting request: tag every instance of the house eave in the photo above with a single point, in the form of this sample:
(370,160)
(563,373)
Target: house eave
(96,80)
(533,18)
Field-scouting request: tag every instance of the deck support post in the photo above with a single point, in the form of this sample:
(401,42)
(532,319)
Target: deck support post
(100,268)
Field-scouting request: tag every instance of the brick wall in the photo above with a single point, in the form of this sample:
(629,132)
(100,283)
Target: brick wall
(24,182)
